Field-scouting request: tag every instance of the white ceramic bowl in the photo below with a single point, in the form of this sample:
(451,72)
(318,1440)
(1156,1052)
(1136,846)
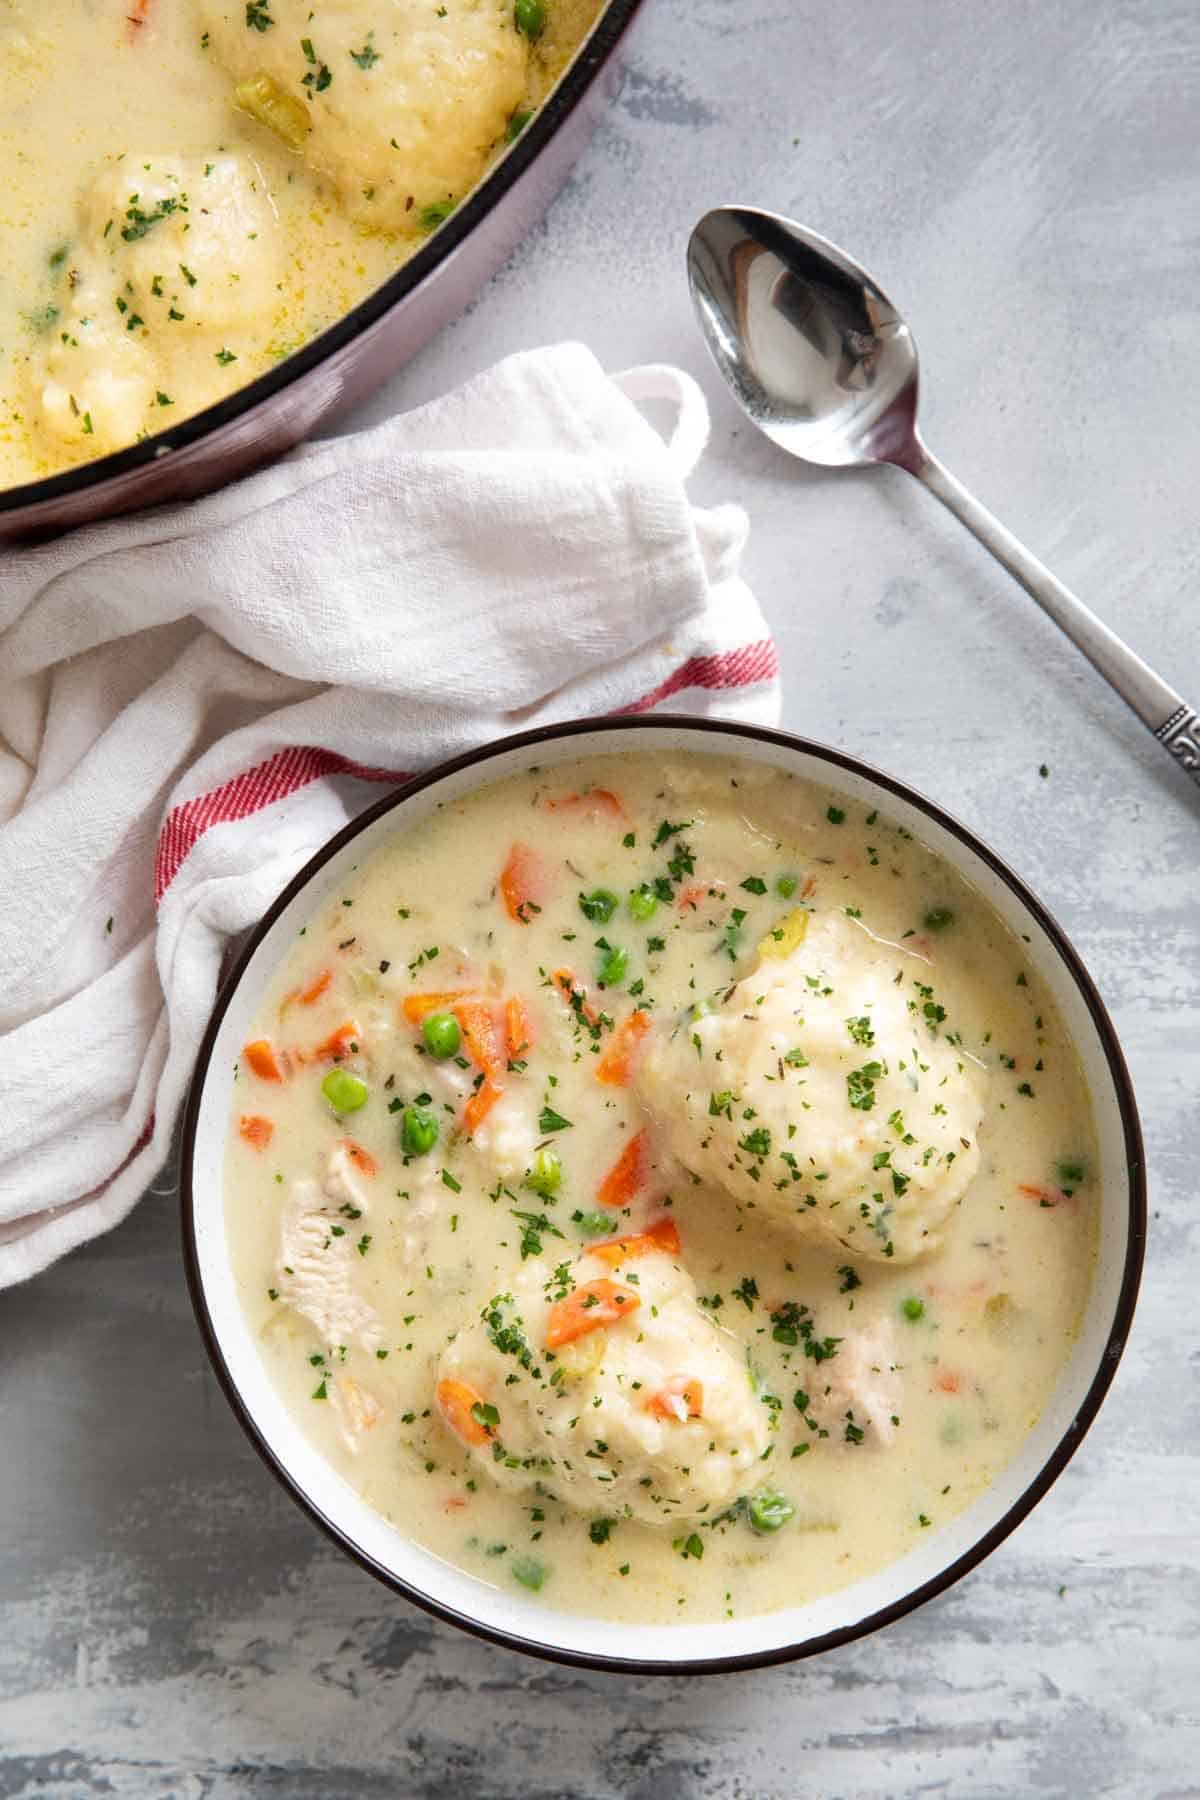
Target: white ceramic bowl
(520,1621)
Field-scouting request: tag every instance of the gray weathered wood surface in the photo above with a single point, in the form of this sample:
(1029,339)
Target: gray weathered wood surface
(1023,178)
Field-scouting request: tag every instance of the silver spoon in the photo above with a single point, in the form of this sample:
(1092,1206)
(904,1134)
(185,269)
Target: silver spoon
(820,360)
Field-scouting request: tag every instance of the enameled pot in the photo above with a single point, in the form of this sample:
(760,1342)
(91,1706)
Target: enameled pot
(351,359)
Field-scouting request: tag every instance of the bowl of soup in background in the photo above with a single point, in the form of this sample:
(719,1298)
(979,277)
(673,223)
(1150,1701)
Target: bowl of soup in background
(509,1614)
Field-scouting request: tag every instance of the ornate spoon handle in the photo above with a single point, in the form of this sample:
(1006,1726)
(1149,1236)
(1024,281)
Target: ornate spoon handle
(1164,712)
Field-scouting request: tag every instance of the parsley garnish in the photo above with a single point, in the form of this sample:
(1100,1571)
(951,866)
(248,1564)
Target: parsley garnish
(747,1292)
(860,1085)
(533,1225)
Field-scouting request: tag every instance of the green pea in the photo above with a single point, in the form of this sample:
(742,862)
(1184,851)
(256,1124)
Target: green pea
(530,19)
(599,906)
(785,887)
(938,917)
(593,1224)
(418,1130)
(441,1033)
(614,966)
(913,1309)
(769,1511)
(643,902)
(544,1176)
(516,126)
(529,1571)
(345,1092)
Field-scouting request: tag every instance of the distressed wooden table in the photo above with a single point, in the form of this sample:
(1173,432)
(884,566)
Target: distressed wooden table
(1023,179)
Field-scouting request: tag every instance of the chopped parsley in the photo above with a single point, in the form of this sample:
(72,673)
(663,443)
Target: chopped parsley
(533,1227)
(860,1085)
(549,1120)
(747,1292)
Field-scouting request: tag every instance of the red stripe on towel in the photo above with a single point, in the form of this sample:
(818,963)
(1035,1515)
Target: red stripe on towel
(732,669)
(276,778)
(289,770)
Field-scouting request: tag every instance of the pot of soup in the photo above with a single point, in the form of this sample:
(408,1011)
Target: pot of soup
(223,222)
(662,1195)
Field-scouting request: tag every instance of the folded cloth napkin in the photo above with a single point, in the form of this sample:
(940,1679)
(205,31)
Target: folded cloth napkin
(194,699)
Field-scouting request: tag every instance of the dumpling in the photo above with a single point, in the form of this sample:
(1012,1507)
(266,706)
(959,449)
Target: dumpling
(605,1383)
(824,1091)
(175,259)
(398,104)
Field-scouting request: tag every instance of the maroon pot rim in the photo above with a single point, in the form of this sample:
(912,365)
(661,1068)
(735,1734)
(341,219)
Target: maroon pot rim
(1050,1469)
(589,63)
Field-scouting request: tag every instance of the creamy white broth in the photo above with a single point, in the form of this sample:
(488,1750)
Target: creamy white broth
(102,338)
(920,1367)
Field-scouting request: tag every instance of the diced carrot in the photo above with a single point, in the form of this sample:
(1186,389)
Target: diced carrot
(263,1059)
(696,892)
(312,993)
(810,887)
(681,1398)
(627,1174)
(362,1159)
(256,1130)
(523,884)
(307,996)
(615,1067)
(339,1043)
(662,1235)
(481,1036)
(574,995)
(598,802)
(518,1028)
(417,1007)
(948,1381)
(455,1398)
(454,1502)
(589,1306)
(137,17)
(1045,1196)
(480,1105)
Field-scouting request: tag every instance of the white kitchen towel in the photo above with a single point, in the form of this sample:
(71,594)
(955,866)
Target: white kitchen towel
(192,700)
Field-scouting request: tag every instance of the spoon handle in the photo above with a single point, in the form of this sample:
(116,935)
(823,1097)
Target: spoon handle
(1175,724)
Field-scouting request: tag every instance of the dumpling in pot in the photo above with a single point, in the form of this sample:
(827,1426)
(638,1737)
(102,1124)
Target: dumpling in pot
(398,103)
(604,1382)
(823,1091)
(175,258)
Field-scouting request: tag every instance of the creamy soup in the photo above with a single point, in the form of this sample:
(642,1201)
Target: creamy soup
(193,190)
(662,1185)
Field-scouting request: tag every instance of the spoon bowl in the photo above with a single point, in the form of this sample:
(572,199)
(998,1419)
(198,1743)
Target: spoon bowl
(813,349)
(820,360)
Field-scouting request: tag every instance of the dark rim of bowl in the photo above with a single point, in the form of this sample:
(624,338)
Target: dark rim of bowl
(1131,1274)
(580,75)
